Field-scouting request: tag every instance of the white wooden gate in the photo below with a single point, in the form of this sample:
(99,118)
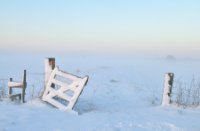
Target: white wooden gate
(63,89)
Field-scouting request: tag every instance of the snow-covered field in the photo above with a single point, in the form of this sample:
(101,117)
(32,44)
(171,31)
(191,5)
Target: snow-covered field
(123,94)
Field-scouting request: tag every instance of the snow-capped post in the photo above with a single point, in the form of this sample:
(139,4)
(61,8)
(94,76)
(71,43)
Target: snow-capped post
(49,67)
(169,77)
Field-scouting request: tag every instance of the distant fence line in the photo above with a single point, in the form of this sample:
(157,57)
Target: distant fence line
(3,79)
(175,91)
(28,73)
(35,73)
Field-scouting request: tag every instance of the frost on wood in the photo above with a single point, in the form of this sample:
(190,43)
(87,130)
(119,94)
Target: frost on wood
(22,85)
(15,84)
(63,89)
(167,89)
(49,66)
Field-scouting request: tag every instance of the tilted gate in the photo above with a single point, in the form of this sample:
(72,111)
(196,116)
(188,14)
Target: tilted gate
(63,89)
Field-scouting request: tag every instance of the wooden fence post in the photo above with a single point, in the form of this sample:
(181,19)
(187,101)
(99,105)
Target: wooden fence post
(24,87)
(10,89)
(169,77)
(49,67)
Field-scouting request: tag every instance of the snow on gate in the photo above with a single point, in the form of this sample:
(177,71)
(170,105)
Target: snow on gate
(63,89)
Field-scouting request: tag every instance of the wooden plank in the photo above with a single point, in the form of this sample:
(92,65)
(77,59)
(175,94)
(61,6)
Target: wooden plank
(15,84)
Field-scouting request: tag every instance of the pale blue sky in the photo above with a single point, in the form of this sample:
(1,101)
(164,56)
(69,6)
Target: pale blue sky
(156,27)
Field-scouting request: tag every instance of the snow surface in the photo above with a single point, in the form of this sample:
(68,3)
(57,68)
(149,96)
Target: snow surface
(123,94)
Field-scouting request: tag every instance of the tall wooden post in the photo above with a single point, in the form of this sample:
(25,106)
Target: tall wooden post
(169,77)
(24,87)
(10,89)
(49,67)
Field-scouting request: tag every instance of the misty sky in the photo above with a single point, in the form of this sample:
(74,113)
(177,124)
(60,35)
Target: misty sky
(158,27)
